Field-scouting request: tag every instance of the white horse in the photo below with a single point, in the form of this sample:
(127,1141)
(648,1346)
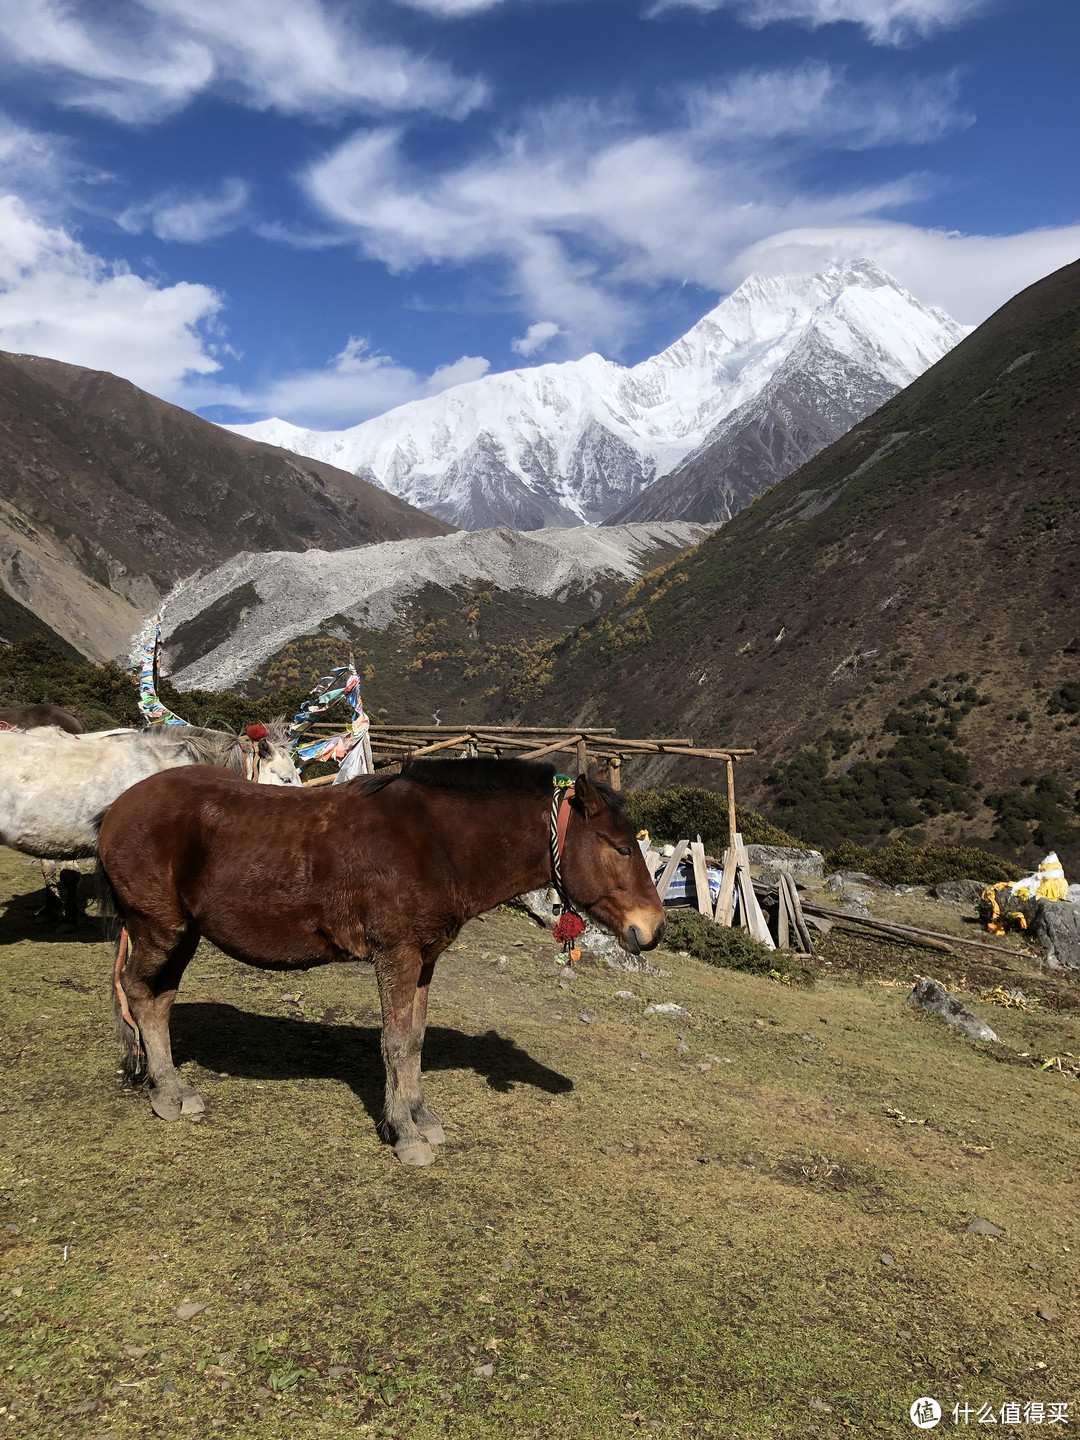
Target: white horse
(55,786)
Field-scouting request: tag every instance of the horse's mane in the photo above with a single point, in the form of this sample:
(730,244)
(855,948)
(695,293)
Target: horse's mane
(532,779)
(216,747)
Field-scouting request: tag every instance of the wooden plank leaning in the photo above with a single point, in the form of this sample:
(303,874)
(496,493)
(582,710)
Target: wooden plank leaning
(701,878)
(782,903)
(670,868)
(787,882)
(725,901)
(755,920)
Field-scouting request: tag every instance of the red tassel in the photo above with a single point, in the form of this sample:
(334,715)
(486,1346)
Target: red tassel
(567,929)
(256,731)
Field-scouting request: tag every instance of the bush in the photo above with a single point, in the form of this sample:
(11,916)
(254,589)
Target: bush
(682,812)
(730,949)
(902,863)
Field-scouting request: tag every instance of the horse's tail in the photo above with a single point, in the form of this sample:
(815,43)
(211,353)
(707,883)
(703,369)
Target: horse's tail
(132,1052)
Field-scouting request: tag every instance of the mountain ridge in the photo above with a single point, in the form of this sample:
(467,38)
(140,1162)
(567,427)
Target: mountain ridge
(111,495)
(580,442)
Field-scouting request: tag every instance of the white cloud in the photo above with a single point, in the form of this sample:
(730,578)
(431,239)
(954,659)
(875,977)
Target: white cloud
(189,218)
(815,101)
(970,276)
(139,60)
(60,300)
(356,384)
(582,206)
(885,22)
(535,337)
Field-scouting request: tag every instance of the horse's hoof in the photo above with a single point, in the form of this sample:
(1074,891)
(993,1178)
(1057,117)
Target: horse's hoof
(192,1104)
(432,1132)
(414,1152)
(165,1107)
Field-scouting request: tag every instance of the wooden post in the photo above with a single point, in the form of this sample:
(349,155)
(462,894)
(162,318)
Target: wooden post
(615,772)
(731,804)
(582,756)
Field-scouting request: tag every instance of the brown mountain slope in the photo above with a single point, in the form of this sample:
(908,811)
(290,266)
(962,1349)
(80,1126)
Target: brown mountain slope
(922,572)
(110,495)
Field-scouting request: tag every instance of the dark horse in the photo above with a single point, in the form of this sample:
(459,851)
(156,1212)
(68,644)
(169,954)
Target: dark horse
(33,717)
(381,868)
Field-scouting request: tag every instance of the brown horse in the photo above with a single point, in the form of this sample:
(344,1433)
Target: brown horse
(381,868)
(33,717)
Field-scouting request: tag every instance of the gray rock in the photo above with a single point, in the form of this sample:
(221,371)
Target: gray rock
(484,1372)
(800,864)
(668,1007)
(841,879)
(936,1000)
(1055,925)
(979,1226)
(961,892)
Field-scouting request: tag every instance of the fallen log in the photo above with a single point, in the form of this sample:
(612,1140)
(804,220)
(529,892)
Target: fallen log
(895,927)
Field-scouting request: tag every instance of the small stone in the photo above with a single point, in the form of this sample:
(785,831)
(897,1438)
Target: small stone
(903,1334)
(11,1229)
(170,1389)
(18,1290)
(1034,1265)
(262,1392)
(189,1310)
(682,1047)
(666,1008)
(502,964)
(886,1259)
(1045,1312)
(336,1372)
(705,1066)
(936,1000)
(87,1407)
(585,1017)
(979,1226)
(625,995)
(446,1394)
(817,1404)
(484,1372)
(136,1352)
(519,942)
(509,1263)
(608,1150)
(644,1055)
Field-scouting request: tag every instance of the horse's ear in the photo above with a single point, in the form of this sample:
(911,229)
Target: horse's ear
(588,797)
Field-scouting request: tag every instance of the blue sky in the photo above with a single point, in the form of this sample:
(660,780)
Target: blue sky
(322,208)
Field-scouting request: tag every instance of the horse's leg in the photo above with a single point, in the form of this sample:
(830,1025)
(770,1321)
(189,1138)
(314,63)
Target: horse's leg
(50,874)
(69,893)
(427,1122)
(398,970)
(150,979)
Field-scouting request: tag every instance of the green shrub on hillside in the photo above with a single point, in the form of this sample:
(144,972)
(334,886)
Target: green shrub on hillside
(34,671)
(902,863)
(730,949)
(920,775)
(1041,812)
(681,812)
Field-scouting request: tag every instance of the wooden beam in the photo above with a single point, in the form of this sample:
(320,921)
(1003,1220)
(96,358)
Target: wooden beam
(701,879)
(568,743)
(731,802)
(442,745)
(725,901)
(672,865)
(615,772)
(582,756)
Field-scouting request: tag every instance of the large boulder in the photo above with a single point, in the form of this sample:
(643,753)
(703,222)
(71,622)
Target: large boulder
(960,892)
(773,859)
(1055,925)
(932,997)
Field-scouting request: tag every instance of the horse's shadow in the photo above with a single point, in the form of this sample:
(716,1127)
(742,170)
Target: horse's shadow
(282,1047)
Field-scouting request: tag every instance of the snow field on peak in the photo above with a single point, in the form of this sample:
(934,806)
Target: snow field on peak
(541,428)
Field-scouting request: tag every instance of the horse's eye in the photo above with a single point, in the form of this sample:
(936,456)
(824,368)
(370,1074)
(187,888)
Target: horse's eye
(622,849)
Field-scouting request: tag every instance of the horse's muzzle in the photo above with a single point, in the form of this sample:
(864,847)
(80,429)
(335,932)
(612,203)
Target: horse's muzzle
(636,939)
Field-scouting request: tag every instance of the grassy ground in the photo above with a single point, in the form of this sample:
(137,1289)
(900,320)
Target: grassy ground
(707,1225)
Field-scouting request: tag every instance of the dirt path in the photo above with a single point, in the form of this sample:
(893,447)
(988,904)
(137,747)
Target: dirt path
(728,1223)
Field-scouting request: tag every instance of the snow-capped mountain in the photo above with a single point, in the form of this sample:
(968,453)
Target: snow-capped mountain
(574,443)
